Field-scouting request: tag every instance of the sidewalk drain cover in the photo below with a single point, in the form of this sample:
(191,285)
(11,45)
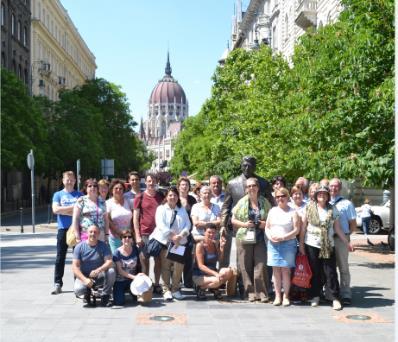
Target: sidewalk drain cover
(162,318)
(359,317)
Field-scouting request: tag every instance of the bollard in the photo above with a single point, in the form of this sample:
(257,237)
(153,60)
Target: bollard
(49,216)
(21,218)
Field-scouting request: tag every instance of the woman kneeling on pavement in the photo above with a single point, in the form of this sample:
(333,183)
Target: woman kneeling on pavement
(172,227)
(316,241)
(128,268)
(207,254)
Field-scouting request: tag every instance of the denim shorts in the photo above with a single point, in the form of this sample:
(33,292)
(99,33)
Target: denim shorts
(282,254)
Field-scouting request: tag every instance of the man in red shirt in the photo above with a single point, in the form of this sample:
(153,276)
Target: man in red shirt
(145,205)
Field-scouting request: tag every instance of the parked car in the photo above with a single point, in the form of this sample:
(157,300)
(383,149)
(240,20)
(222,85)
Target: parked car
(380,219)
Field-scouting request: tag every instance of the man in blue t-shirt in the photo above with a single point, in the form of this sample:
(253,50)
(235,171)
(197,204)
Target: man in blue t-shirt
(63,203)
(92,264)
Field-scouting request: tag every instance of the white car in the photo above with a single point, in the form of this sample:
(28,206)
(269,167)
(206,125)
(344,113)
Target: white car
(380,219)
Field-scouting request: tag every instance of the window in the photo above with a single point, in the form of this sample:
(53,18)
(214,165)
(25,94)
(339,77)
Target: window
(25,36)
(3,14)
(13,24)
(286,27)
(19,33)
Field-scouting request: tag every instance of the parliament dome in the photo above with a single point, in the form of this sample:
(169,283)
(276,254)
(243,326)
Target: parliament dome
(167,90)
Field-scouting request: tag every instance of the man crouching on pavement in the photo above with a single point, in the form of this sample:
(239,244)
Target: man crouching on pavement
(92,264)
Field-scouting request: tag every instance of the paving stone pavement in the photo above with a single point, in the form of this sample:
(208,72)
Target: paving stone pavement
(30,313)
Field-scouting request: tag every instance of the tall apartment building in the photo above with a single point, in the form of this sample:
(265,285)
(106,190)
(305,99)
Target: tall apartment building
(59,56)
(279,23)
(15,37)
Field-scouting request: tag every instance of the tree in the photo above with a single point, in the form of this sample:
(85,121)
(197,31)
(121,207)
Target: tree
(23,126)
(331,114)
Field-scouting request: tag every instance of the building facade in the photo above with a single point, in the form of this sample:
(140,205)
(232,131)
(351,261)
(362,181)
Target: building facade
(167,109)
(15,37)
(279,23)
(59,56)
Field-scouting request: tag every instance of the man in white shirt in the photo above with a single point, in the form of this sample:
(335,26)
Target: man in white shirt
(216,190)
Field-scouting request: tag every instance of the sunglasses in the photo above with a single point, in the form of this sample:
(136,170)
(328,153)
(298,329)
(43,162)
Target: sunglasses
(127,237)
(280,196)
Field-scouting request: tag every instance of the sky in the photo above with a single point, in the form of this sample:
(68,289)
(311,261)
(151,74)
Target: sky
(130,40)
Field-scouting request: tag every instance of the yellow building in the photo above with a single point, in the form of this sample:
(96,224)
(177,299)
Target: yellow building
(59,56)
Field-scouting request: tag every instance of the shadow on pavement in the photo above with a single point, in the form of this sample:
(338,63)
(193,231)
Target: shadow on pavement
(27,236)
(27,257)
(368,297)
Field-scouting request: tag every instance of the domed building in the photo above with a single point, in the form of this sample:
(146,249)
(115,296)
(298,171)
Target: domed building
(167,109)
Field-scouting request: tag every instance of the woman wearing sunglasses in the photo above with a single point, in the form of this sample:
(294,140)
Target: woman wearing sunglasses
(282,227)
(128,266)
(89,210)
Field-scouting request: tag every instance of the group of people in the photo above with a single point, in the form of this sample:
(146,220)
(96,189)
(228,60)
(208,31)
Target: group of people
(189,236)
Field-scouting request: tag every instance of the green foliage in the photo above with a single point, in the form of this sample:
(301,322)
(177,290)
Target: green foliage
(22,125)
(90,123)
(331,114)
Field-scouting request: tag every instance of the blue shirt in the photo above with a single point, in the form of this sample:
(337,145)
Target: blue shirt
(91,257)
(64,199)
(346,212)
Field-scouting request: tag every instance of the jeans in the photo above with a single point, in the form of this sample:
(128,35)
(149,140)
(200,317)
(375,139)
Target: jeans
(365,225)
(62,249)
(119,288)
(107,279)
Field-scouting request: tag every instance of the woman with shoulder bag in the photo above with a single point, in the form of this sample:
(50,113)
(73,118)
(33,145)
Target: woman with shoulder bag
(172,227)
(249,216)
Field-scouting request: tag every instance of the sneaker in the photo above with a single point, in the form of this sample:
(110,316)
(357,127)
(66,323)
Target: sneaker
(315,301)
(177,295)
(105,301)
(167,296)
(88,301)
(201,294)
(57,289)
(336,305)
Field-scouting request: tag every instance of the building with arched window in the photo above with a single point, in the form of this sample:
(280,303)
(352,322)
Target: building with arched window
(167,109)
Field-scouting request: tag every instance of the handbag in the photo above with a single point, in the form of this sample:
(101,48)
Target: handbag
(176,253)
(153,248)
(247,236)
(302,273)
(70,237)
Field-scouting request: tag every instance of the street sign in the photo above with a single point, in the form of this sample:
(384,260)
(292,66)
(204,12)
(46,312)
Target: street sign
(107,167)
(30,159)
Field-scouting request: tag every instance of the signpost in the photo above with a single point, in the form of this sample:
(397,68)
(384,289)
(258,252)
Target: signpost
(30,159)
(107,167)
(78,174)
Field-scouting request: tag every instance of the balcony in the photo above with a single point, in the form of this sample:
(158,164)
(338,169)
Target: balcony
(306,14)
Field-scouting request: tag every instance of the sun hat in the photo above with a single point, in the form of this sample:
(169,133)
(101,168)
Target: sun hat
(322,188)
(141,283)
